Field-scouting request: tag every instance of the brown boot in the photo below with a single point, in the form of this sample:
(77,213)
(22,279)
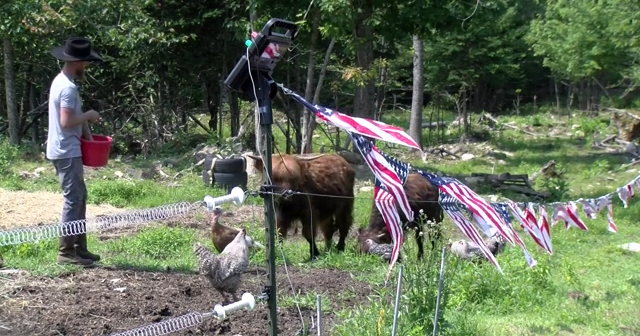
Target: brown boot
(82,251)
(67,253)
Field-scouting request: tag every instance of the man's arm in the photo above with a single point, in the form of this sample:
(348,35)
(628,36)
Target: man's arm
(68,101)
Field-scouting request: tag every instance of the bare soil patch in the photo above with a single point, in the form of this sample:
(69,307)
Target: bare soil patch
(22,208)
(88,304)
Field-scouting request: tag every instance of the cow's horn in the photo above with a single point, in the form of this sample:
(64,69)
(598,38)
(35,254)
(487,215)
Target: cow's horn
(310,157)
(254,157)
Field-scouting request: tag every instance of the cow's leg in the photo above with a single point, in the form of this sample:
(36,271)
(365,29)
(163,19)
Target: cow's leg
(309,233)
(283,222)
(344,221)
(328,228)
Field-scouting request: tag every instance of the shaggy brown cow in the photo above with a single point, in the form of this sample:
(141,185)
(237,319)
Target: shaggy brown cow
(325,174)
(418,190)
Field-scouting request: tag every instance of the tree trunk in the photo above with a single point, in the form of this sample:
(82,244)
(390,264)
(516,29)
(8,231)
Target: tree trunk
(465,113)
(363,34)
(555,86)
(10,89)
(212,107)
(307,116)
(296,111)
(234,112)
(382,83)
(311,122)
(24,101)
(415,124)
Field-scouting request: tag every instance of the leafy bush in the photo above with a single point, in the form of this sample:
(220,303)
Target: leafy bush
(9,154)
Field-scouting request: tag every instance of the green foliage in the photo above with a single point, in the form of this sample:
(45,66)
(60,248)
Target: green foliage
(599,168)
(519,289)
(9,154)
(418,298)
(156,243)
(118,193)
(578,41)
(557,186)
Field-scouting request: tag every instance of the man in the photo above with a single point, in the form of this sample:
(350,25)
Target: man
(67,123)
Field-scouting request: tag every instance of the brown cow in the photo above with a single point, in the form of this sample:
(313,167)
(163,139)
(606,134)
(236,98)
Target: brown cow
(325,174)
(418,190)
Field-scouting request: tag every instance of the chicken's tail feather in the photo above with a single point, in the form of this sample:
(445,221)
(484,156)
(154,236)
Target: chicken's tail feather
(203,255)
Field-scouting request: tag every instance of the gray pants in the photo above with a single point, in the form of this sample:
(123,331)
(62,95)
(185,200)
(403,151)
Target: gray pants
(71,176)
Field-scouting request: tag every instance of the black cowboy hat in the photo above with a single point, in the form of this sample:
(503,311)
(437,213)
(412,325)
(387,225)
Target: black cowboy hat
(76,49)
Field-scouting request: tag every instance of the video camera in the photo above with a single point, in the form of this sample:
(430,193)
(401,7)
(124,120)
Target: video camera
(263,54)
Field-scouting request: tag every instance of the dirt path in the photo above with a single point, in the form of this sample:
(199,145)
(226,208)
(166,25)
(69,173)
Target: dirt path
(22,208)
(107,301)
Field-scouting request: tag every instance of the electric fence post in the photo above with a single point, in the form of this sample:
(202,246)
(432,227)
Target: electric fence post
(252,77)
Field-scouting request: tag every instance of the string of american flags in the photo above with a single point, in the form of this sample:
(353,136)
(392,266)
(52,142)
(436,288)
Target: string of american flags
(462,205)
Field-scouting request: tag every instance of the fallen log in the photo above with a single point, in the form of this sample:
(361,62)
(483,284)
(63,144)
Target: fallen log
(494,120)
(526,191)
(441,151)
(436,124)
(548,170)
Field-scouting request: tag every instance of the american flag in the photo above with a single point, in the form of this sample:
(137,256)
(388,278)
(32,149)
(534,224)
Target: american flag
(623,193)
(386,172)
(390,176)
(588,207)
(451,207)
(355,125)
(503,210)
(543,225)
(483,213)
(386,204)
(529,224)
(401,168)
(568,212)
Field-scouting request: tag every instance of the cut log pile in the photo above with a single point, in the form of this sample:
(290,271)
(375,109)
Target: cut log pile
(613,145)
(627,123)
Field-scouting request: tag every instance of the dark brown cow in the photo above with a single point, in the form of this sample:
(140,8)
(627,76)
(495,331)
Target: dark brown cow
(325,174)
(418,190)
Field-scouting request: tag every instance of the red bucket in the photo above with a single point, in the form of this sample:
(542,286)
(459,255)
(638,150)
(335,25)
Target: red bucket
(96,153)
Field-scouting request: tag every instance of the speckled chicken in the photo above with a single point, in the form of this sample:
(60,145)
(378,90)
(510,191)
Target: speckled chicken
(224,271)
(383,250)
(222,235)
(470,250)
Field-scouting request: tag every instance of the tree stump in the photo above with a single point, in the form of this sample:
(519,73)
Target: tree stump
(628,125)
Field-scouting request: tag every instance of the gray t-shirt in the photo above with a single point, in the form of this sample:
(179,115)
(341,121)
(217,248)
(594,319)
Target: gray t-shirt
(63,143)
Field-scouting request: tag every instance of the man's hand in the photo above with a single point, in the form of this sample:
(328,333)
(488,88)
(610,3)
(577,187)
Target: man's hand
(92,116)
(86,132)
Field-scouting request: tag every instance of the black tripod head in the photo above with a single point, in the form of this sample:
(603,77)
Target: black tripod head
(256,65)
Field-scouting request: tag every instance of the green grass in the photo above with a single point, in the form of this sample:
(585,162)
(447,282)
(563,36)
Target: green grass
(479,301)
